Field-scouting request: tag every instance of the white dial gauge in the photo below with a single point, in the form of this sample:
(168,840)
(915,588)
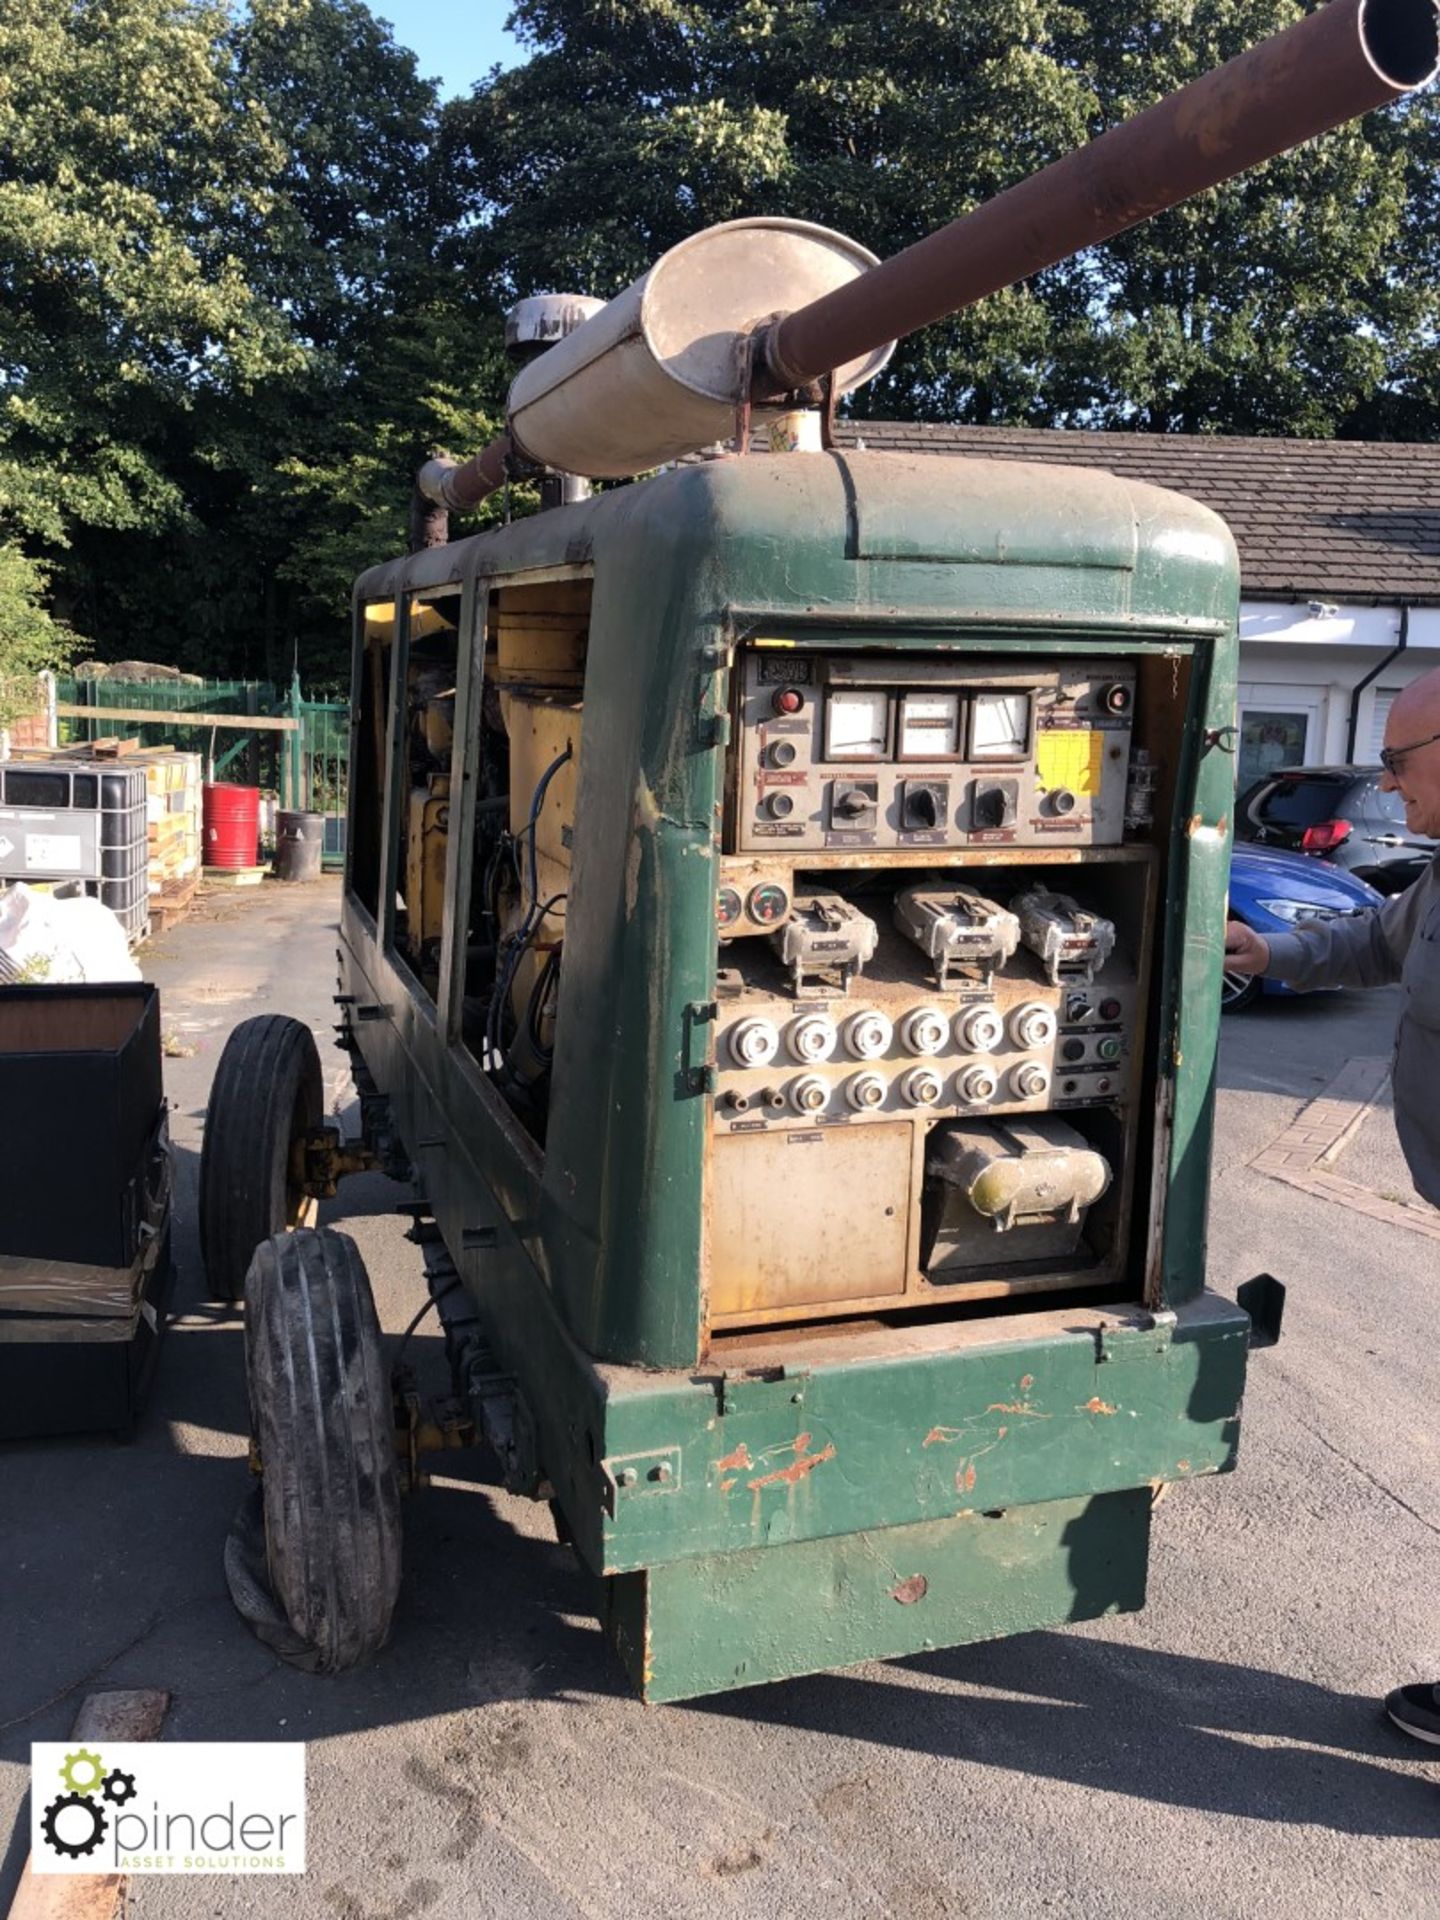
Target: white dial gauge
(857,725)
(999,726)
(929,726)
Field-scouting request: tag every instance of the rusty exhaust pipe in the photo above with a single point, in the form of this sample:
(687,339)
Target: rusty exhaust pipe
(460,488)
(1351,56)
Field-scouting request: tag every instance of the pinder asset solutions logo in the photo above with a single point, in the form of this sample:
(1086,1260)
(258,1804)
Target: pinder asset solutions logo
(182,1807)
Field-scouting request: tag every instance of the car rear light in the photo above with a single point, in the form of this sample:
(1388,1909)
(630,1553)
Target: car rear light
(1325,835)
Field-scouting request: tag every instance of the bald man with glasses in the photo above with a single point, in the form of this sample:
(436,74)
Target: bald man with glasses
(1399,942)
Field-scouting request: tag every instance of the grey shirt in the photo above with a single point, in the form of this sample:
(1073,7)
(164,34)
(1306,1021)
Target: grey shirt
(1399,941)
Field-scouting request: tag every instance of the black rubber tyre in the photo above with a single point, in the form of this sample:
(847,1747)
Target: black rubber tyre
(1239,991)
(267,1091)
(313,1559)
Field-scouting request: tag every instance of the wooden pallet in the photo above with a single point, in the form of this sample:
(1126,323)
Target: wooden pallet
(172,903)
(235,876)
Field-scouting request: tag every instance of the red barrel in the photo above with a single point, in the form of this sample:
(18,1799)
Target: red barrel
(232,826)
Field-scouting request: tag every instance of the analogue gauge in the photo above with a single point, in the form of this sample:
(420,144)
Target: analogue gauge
(929,726)
(857,724)
(999,726)
(728,907)
(769,904)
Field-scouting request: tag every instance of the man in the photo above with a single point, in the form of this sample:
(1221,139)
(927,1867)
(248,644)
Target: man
(1398,942)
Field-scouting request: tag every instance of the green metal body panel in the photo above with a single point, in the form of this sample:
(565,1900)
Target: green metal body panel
(591,1279)
(703,1626)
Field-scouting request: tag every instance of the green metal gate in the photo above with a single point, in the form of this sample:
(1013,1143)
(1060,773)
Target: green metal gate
(307,768)
(314,774)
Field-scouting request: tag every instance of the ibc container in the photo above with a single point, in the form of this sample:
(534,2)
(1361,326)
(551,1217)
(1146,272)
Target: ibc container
(81,822)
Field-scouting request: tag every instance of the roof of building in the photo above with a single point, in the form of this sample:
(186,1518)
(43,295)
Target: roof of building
(1344,520)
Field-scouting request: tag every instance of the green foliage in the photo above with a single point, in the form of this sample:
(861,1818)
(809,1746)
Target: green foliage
(30,640)
(129,169)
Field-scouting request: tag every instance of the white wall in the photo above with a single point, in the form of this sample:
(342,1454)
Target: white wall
(1318,653)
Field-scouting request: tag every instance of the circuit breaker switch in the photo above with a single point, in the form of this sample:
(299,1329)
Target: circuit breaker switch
(959,930)
(865,1092)
(753,1043)
(825,942)
(810,1038)
(1033,1024)
(926,1030)
(920,1087)
(809,1094)
(868,1035)
(980,1030)
(1072,942)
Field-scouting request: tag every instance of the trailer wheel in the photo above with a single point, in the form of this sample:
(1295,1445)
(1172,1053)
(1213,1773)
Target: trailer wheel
(267,1093)
(313,1558)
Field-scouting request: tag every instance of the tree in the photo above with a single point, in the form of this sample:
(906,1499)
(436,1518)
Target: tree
(128,170)
(1265,306)
(30,640)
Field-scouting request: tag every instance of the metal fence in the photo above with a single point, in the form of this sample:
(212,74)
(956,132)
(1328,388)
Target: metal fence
(306,767)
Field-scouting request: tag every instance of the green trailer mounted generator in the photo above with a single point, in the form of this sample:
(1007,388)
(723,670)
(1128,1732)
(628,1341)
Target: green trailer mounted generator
(781,941)
(850,1282)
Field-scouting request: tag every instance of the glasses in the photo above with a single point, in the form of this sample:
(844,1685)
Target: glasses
(1390,757)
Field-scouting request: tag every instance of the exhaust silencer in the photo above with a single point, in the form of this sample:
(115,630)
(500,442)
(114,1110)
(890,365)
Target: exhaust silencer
(658,372)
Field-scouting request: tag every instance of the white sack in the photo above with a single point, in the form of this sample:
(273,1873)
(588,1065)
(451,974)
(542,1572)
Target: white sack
(50,942)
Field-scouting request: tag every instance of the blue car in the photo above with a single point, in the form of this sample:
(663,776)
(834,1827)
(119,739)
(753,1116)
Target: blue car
(1270,891)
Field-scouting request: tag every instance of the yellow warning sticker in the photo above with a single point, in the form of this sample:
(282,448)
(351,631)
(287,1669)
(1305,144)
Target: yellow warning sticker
(1069,757)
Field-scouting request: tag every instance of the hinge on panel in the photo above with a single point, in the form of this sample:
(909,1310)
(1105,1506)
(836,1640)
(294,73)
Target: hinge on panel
(714,729)
(698,1076)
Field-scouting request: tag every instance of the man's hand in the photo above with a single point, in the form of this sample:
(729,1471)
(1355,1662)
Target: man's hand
(1245,950)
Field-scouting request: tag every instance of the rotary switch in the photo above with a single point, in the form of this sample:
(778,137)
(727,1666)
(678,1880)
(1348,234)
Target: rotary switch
(923,806)
(980,1030)
(1032,1025)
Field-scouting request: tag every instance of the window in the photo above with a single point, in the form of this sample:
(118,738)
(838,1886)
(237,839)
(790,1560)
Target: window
(426,749)
(1269,739)
(1297,804)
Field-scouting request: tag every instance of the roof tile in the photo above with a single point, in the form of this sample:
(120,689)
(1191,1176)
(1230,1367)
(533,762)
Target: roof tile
(1352,518)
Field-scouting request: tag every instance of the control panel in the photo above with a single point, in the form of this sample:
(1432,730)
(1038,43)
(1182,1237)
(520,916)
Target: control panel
(853,750)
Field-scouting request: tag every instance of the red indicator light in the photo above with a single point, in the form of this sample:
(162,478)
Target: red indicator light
(787,700)
(1109,1009)
(1324,837)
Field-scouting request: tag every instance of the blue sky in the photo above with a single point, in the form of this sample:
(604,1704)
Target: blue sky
(455,41)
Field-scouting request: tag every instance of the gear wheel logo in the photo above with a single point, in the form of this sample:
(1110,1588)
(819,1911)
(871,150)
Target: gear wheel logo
(80,1842)
(118,1787)
(82,1771)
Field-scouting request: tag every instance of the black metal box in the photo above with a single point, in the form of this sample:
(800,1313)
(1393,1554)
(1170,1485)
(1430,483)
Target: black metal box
(85,1268)
(80,1100)
(78,1346)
